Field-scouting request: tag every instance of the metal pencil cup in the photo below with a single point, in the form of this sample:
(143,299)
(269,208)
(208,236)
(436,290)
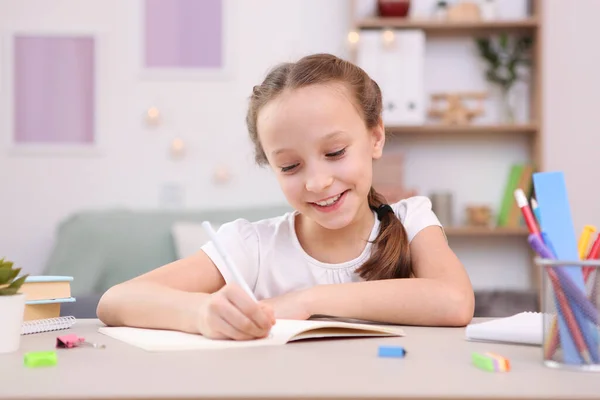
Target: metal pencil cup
(570,306)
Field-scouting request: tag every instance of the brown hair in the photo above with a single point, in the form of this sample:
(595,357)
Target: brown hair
(391,256)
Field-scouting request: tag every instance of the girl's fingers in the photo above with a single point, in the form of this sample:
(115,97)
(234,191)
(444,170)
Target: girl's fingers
(257,314)
(227,330)
(242,323)
(269,311)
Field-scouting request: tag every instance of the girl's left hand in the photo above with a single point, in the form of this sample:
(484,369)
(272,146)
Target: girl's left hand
(291,305)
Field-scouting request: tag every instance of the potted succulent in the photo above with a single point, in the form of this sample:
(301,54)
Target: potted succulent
(12,306)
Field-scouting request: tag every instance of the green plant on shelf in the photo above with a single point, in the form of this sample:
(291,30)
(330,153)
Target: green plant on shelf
(504,55)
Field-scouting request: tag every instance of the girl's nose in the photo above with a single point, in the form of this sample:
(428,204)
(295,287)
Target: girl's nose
(318,181)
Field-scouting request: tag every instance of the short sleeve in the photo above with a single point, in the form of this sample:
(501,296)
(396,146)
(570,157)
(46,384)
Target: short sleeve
(240,240)
(416,214)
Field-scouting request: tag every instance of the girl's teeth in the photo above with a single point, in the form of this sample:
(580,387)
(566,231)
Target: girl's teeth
(329,202)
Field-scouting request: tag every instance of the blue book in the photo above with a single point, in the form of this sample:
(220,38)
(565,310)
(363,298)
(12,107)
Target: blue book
(51,301)
(48,278)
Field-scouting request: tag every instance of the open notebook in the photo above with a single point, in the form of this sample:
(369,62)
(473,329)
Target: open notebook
(523,328)
(284,331)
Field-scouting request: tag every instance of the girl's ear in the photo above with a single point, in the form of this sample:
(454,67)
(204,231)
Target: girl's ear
(378,139)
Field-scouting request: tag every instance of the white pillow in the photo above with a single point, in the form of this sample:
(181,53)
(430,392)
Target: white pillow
(189,237)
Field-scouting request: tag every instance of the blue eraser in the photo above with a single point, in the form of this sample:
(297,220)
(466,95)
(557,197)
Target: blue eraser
(392,351)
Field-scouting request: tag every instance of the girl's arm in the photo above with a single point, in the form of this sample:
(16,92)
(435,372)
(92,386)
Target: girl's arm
(187,295)
(168,297)
(440,294)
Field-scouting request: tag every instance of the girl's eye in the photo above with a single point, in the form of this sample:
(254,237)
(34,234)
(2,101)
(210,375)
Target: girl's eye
(288,168)
(336,153)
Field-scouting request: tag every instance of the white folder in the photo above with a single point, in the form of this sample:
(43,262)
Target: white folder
(398,68)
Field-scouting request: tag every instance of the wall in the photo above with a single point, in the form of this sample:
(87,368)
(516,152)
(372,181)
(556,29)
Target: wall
(571,97)
(209,116)
(134,165)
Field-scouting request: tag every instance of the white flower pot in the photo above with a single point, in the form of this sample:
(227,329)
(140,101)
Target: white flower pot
(12,309)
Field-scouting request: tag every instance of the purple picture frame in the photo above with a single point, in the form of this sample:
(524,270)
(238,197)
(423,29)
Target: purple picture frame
(183,34)
(53,90)
(186,39)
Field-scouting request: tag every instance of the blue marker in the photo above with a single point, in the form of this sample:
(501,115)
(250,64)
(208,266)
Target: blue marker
(536,211)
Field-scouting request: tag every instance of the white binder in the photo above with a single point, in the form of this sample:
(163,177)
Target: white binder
(397,66)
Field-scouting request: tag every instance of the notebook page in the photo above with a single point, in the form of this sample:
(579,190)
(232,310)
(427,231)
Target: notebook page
(281,333)
(523,328)
(166,340)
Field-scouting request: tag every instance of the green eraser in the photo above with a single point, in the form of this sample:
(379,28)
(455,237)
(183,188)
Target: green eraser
(483,362)
(35,359)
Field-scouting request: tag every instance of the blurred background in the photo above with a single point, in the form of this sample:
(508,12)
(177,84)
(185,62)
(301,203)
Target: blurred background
(122,123)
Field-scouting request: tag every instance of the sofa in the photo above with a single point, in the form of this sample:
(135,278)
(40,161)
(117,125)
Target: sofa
(101,248)
(105,247)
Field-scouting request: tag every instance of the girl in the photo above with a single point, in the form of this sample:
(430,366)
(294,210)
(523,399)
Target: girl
(343,251)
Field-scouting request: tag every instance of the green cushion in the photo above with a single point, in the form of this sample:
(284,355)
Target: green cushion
(103,248)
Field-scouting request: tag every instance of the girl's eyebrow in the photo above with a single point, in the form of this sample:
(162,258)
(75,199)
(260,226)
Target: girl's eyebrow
(333,135)
(328,137)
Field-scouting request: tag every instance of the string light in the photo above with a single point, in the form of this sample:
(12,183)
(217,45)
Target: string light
(221,174)
(153,116)
(177,148)
(388,37)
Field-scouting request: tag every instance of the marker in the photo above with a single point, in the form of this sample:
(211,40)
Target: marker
(548,243)
(592,255)
(235,273)
(526,210)
(587,271)
(563,304)
(558,275)
(536,211)
(584,240)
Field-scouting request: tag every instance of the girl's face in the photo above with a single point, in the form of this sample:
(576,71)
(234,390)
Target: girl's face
(321,151)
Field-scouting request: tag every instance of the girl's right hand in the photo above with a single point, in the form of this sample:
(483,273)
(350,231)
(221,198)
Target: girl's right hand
(230,313)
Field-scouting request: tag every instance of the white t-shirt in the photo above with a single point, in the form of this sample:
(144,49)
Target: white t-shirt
(272,261)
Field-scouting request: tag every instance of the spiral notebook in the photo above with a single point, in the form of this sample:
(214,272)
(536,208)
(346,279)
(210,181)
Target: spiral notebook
(47,325)
(522,328)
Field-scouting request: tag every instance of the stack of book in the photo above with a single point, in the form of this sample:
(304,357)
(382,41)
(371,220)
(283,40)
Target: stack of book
(43,298)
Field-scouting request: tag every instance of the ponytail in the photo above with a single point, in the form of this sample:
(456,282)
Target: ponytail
(390,257)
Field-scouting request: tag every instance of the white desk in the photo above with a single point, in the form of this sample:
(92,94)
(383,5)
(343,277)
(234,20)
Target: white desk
(437,366)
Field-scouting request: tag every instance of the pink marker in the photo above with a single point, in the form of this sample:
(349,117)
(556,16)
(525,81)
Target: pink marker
(527,213)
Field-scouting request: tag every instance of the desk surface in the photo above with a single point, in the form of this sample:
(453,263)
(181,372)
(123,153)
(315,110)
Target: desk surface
(437,366)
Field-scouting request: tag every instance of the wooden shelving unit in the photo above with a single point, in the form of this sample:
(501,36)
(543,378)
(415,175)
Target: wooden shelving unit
(532,130)
(476,231)
(442,27)
(521,129)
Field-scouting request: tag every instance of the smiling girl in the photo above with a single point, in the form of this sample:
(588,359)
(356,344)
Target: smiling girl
(343,251)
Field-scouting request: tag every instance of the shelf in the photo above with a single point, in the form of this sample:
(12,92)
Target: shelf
(448,26)
(522,129)
(476,231)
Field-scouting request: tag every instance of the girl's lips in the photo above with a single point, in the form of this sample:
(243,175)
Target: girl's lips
(333,207)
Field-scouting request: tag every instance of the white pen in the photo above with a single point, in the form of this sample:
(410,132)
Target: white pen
(228,261)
